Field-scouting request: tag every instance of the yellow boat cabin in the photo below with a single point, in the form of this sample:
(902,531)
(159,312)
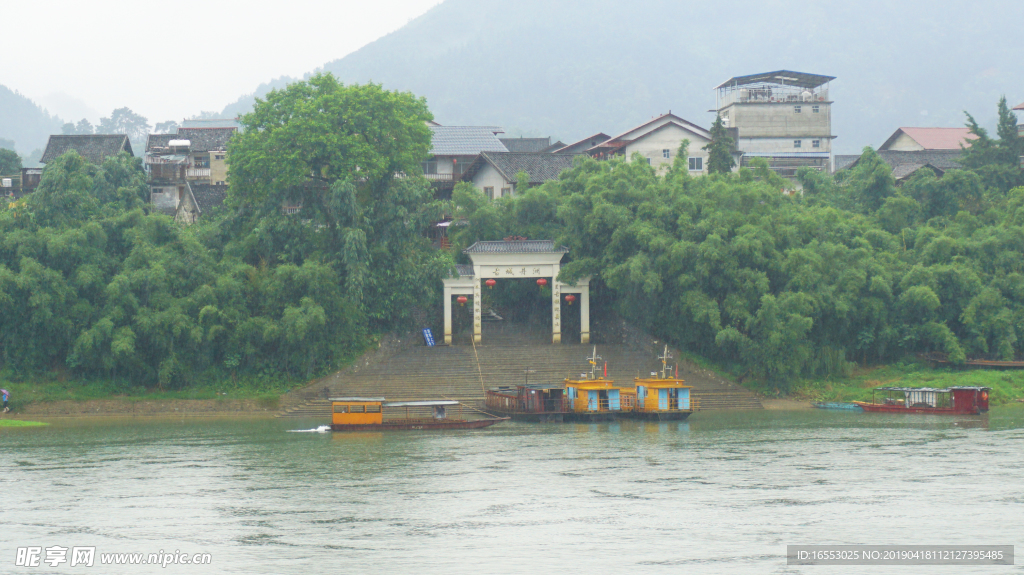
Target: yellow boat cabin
(598,395)
(357,410)
(663,396)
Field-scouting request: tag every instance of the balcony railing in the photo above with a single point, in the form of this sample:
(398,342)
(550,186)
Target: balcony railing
(438,177)
(197,173)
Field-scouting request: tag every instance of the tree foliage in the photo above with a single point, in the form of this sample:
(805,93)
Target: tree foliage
(719,149)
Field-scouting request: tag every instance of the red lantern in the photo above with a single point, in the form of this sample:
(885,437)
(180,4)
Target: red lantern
(462,300)
(490,283)
(570,298)
(542,282)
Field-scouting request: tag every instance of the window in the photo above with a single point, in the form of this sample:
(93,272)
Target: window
(489,192)
(815,143)
(158,190)
(796,109)
(506,192)
(666,153)
(815,109)
(375,408)
(358,409)
(796,143)
(648,161)
(696,164)
(218,156)
(340,409)
(429,166)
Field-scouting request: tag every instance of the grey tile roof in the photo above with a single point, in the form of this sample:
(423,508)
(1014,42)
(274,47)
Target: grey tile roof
(212,123)
(515,247)
(206,139)
(584,144)
(208,196)
(464,270)
(540,166)
(94,148)
(526,144)
(160,140)
(464,140)
(843,162)
(943,159)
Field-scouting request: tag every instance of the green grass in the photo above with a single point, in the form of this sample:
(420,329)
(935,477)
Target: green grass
(20,423)
(1007,385)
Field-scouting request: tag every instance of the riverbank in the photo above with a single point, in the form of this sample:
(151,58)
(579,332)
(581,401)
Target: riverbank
(1007,385)
(134,407)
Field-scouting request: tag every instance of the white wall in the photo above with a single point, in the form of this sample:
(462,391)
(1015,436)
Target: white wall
(777,145)
(905,143)
(488,176)
(781,120)
(653,145)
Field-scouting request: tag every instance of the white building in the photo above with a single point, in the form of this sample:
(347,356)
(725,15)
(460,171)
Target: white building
(658,140)
(495,173)
(782,116)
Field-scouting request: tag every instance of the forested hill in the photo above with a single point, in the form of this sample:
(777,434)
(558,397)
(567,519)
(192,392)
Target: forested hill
(24,122)
(569,69)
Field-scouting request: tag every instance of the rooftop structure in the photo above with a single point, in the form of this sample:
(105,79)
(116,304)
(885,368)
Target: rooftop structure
(94,148)
(465,140)
(583,145)
(783,116)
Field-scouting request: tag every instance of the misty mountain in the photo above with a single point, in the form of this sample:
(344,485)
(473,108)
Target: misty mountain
(25,122)
(569,69)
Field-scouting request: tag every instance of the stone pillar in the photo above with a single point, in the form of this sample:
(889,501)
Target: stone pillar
(556,309)
(447,315)
(585,314)
(477,327)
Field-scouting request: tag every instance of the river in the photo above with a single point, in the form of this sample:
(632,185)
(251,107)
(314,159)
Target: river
(724,492)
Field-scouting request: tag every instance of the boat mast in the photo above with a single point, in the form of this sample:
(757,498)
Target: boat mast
(664,357)
(593,359)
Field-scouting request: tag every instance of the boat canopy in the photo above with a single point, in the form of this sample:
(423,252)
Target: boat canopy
(364,399)
(431,403)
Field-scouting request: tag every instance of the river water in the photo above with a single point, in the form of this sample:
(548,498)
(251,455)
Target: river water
(722,493)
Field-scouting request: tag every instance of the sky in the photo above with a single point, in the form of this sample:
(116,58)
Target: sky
(77,57)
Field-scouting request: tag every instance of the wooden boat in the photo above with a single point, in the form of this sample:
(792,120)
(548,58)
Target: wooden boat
(837,405)
(662,396)
(368,414)
(958,400)
(595,398)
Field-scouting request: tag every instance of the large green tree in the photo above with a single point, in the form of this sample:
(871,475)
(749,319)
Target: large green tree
(347,160)
(10,162)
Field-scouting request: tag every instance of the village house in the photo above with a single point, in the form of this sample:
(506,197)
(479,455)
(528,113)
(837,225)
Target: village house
(495,173)
(784,117)
(583,145)
(658,140)
(93,147)
(182,165)
(909,149)
(453,149)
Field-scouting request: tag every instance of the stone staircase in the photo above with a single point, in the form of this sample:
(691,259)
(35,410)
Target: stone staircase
(463,372)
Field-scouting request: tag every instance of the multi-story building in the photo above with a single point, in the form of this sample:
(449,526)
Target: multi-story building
(784,117)
(188,159)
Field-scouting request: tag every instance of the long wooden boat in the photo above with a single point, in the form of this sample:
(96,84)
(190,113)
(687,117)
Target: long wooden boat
(837,405)
(957,400)
(368,414)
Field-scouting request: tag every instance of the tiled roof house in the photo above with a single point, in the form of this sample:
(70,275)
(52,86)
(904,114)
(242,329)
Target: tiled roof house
(94,148)
(494,173)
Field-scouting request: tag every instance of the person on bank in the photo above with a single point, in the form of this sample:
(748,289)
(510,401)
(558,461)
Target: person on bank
(6,394)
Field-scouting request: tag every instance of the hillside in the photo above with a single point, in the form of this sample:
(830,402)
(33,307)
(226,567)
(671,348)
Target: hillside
(24,122)
(570,69)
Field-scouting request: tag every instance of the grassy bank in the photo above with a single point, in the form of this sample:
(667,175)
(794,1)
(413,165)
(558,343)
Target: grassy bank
(1007,385)
(20,423)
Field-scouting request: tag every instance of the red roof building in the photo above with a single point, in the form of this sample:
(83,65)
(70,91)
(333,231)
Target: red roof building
(922,139)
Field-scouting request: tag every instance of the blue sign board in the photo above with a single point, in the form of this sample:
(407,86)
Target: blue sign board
(428,337)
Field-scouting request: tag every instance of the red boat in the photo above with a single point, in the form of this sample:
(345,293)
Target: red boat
(959,400)
(367,414)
